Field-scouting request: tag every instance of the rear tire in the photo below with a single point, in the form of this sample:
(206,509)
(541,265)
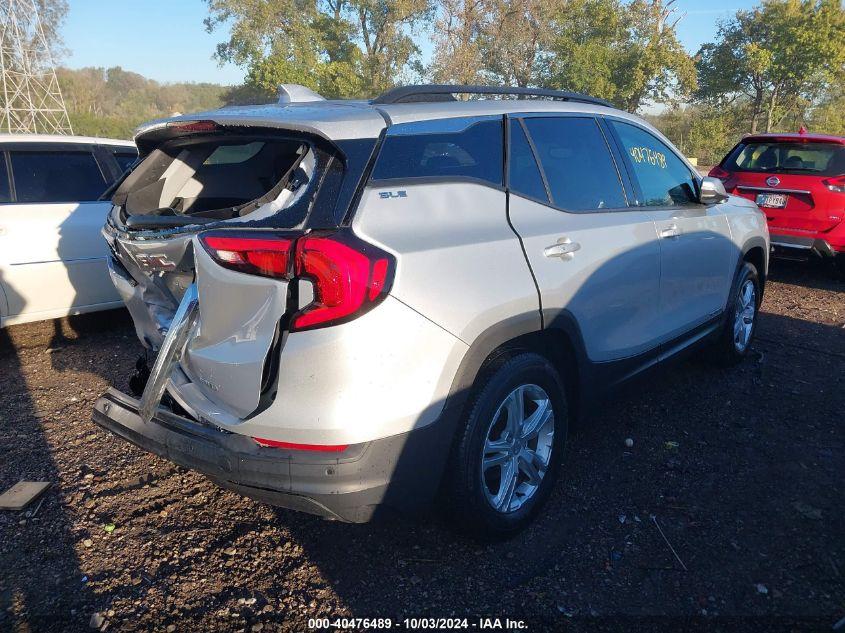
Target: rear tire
(737,334)
(507,453)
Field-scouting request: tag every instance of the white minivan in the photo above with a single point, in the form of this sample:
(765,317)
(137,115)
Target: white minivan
(53,259)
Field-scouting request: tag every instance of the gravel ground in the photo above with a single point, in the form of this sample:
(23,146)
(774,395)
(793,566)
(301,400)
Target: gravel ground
(741,469)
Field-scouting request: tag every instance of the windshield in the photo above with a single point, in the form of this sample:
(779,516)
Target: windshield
(822,159)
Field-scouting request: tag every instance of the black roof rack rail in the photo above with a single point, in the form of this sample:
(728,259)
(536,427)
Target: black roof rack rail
(443,92)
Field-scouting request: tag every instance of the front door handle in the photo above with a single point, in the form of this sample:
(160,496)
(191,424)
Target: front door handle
(565,249)
(670,231)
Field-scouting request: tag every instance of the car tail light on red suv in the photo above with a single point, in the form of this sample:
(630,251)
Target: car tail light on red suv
(718,172)
(836,184)
(349,276)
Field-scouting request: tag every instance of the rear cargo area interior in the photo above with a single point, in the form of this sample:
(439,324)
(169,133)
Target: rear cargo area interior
(209,178)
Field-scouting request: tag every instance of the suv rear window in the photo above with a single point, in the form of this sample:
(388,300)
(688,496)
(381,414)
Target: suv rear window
(475,152)
(821,159)
(208,177)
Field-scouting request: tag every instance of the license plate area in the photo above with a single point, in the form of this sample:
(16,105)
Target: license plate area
(772,200)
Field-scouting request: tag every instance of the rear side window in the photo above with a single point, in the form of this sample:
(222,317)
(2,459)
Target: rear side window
(473,152)
(61,176)
(523,174)
(577,163)
(5,195)
(817,159)
(125,159)
(663,177)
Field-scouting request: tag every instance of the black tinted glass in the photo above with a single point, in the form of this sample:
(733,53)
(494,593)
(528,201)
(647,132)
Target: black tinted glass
(524,175)
(664,179)
(56,176)
(475,152)
(5,196)
(125,160)
(578,166)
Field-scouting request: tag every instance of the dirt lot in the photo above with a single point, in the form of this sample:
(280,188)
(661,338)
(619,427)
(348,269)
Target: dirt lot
(742,470)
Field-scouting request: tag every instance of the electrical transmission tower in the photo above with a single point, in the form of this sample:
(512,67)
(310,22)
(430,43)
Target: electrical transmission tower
(31,100)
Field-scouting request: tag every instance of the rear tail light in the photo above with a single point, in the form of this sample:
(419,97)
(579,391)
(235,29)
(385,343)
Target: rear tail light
(836,184)
(718,172)
(348,279)
(253,255)
(350,276)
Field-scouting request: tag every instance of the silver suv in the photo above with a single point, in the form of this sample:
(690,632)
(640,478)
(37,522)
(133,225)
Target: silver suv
(362,305)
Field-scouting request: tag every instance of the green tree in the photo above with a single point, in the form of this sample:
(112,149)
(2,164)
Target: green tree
(627,52)
(774,59)
(112,102)
(340,48)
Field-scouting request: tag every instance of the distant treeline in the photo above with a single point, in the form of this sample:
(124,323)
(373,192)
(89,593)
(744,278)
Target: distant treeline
(111,102)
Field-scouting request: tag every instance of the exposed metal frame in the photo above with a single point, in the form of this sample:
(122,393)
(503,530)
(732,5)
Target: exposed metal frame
(424,93)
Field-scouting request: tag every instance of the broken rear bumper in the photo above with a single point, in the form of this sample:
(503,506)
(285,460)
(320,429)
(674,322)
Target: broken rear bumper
(400,472)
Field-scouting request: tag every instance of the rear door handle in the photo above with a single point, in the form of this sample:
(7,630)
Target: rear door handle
(670,231)
(564,249)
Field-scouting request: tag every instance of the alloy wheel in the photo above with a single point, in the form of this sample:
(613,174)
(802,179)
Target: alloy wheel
(518,448)
(744,314)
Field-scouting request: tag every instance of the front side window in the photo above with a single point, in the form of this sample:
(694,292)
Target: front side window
(577,163)
(60,176)
(523,173)
(664,179)
(423,151)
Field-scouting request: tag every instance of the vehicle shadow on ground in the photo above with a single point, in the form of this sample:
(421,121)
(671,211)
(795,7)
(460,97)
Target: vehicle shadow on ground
(810,273)
(37,555)
(93,330)
(733,464)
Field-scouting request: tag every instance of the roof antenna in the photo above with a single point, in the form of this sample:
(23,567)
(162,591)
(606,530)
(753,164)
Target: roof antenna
(802,130)
(294,93)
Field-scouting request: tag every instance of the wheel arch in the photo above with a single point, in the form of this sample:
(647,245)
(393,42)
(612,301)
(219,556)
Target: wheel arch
(755,252)
(560,342)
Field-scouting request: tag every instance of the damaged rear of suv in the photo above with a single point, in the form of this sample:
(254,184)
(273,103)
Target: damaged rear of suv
(358,305)
(227,238)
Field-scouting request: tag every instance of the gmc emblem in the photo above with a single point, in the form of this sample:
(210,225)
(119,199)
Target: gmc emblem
(155,261)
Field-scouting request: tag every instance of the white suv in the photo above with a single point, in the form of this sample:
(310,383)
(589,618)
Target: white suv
(360,305)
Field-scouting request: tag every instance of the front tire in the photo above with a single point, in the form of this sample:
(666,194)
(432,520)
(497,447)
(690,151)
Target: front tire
(734,342)
(508,451)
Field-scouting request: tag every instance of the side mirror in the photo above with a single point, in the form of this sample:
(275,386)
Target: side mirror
(712,191)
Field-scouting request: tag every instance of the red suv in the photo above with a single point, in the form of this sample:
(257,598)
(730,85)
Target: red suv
(798,181)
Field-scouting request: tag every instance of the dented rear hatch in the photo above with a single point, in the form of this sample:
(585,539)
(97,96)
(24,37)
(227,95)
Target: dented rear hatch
(212,333)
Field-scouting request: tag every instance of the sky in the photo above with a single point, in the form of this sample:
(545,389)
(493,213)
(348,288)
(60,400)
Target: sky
(166,40)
